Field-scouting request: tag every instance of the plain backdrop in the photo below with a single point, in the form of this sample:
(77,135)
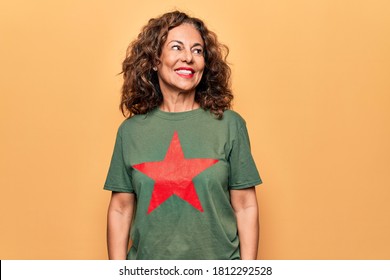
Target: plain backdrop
(311,78)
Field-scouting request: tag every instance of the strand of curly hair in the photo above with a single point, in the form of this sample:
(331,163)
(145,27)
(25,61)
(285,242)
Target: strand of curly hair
(141,91)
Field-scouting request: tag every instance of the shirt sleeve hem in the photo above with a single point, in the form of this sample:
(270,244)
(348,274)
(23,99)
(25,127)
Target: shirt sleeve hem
(117,189)
(246,185)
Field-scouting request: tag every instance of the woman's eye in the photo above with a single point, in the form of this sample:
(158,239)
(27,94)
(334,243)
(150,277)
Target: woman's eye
(198,51)
(176,47)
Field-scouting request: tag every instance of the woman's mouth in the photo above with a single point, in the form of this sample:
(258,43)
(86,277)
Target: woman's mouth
(185,72)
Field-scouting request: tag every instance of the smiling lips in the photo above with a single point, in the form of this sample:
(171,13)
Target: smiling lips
(185,72)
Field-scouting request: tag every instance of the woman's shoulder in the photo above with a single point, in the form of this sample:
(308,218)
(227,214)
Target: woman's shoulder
(131,122)
(233,117)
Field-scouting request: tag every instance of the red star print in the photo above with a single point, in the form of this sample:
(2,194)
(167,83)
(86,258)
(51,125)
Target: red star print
(174,174)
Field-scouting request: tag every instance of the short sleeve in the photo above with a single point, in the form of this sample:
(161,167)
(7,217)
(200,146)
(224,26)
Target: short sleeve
(118,178)
(243,171)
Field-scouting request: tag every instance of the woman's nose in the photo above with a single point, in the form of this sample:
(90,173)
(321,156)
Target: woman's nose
(187,56)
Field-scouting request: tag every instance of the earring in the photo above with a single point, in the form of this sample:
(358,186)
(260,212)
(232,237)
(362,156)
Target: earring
(155,68)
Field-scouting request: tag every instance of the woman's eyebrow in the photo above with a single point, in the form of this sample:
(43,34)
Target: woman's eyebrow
(181,43)
(176,41)
(197,45)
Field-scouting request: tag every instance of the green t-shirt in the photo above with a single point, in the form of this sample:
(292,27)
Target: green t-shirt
(181,166)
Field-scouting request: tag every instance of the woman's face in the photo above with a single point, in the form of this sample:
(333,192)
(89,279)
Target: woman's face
(182,60)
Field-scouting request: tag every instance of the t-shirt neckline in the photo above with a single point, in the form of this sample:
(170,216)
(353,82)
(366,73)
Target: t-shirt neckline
(176,115)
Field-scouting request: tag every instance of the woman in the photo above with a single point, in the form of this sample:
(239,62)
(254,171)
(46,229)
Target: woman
(182,176)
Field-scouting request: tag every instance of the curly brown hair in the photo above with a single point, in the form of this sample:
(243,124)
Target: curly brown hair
(141,91)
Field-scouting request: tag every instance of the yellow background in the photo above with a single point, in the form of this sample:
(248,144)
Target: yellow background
(312,79)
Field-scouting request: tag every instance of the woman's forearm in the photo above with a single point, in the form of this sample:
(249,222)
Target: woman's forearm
(119,219)
(244,203)
(248,232)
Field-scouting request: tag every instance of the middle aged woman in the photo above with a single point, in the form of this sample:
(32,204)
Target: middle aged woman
(182,175)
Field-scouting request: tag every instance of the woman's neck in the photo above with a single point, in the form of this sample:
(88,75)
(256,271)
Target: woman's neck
(180,102)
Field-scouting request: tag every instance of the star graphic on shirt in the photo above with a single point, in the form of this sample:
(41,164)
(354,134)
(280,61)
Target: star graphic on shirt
(174,174)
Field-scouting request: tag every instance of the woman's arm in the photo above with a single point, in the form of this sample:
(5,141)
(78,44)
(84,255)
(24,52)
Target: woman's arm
(244,204)
(120,214)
